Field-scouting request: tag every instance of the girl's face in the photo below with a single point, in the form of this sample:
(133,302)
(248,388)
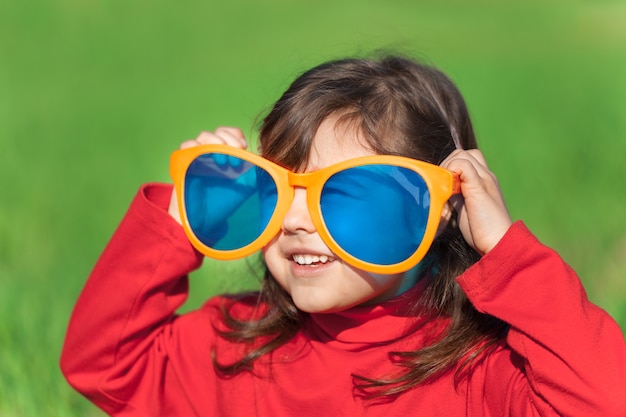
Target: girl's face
(316,279)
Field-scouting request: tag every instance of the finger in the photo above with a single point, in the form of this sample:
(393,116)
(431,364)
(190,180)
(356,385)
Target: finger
(189,144)
(230,136)
(472,155)
(467,168)
(210,138)
(233,136)
(460,161)
(469,164)
(204,138)
(478,157)
(234,132)
(453,155)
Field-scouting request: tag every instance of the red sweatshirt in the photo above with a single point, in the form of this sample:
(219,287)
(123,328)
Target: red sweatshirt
(129,353)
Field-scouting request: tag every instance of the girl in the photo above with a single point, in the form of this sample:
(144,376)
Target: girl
(382,295)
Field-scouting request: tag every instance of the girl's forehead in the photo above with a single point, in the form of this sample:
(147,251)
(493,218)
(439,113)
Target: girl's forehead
(336,142)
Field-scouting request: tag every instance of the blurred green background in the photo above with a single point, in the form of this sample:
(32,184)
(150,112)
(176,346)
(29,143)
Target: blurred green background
(94,95)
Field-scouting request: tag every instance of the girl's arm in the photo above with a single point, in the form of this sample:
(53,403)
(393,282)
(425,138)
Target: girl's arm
(571,355)
(117,343)
(122,348)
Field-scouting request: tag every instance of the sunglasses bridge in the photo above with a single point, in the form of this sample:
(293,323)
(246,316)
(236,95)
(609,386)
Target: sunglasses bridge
(301,180)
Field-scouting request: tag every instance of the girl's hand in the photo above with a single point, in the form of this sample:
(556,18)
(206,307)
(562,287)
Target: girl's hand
(231,136)
(482,214)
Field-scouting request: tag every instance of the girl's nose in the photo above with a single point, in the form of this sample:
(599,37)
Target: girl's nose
(298,218)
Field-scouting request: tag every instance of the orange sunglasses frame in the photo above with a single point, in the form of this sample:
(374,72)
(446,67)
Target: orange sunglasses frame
(442,184)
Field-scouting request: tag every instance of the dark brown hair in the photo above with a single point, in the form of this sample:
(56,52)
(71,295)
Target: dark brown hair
(400,107)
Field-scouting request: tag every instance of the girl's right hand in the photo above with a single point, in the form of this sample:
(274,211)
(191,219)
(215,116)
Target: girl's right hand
(223,135)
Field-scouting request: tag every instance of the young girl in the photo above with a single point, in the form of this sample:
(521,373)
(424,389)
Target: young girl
(396,283)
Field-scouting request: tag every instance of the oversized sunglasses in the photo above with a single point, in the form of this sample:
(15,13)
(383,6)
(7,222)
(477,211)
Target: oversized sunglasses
(377,213)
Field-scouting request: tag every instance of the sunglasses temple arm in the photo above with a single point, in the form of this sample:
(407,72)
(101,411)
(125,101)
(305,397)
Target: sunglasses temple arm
(456,183)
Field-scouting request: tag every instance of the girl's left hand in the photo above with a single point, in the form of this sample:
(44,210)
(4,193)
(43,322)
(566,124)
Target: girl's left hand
(482,214)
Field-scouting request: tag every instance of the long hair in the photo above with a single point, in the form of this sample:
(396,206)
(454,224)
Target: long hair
(400,107)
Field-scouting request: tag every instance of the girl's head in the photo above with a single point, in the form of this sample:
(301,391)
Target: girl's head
(341,110)
(398,106)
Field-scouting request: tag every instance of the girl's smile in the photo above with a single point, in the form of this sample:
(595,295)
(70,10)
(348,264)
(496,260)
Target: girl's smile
(307,261)
(312,260)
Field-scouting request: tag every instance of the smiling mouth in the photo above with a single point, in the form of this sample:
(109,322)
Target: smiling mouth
(311,260)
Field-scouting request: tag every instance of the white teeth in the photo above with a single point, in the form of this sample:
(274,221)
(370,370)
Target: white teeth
(310,259)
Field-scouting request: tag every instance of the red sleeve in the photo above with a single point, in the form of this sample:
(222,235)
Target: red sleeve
(571,353)
(117,340)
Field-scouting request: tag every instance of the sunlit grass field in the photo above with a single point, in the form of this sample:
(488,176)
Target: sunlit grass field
(94,96)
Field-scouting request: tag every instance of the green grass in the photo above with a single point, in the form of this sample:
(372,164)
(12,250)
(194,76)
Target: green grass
(94,96)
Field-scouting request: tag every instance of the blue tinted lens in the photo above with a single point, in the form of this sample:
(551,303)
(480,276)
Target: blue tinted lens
(376,213)
(228,201)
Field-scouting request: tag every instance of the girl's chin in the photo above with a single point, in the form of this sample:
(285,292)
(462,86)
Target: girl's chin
(330,303)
